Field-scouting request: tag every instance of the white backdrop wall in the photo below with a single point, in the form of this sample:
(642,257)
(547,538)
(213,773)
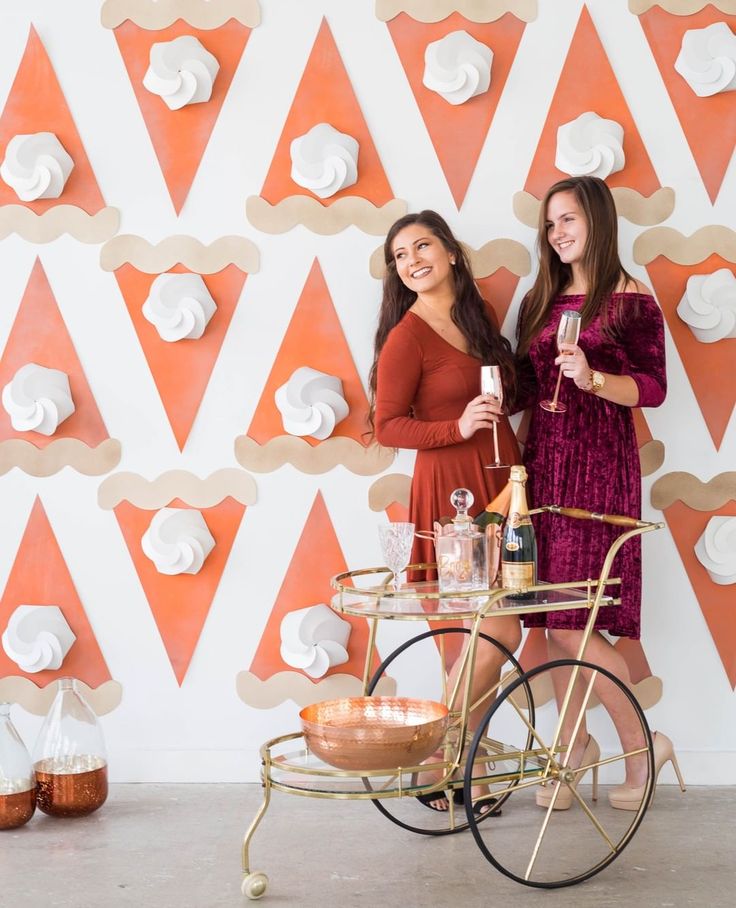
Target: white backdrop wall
(200,730)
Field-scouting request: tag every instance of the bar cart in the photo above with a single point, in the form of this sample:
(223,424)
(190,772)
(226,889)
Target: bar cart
(502,746)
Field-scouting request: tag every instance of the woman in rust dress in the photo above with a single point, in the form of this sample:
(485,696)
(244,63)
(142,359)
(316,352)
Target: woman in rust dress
(588,457)
(434,332)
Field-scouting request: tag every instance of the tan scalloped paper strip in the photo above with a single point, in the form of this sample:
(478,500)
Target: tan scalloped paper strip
(491,256)
(196,492)
(134,250)
(324,220)
(64,452)
(157,14)
(473,10)
(698,495)
(284,686)
(685,250)
(388,489)
(363,461)
(630,204)
(681,7)
(37,700)
(651,457)
(43,228)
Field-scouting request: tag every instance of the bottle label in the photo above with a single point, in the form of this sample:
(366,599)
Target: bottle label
(517,574)
(516,520)
(512,546)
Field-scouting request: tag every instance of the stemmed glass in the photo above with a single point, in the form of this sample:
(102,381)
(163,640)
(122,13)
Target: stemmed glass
(396,542)
(491,384)
(568,332)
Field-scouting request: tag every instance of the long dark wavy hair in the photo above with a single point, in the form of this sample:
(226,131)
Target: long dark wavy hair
(468,312)
(600,261)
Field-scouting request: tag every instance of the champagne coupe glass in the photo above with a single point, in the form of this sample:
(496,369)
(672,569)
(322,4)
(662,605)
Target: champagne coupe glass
(568,332)
(396,542)
(490,383)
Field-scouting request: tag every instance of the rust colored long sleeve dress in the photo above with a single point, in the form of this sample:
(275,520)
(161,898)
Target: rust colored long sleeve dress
(423,385)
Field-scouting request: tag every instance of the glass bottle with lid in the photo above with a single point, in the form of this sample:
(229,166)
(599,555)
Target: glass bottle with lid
(69,757)
(17,781)
(462,549)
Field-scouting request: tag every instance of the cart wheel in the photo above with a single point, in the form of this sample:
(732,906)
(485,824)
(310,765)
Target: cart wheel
(419,667)
(254,885)
(549,848)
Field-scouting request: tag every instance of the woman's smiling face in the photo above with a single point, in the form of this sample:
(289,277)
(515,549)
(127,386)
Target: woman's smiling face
(567,229)
(422,262)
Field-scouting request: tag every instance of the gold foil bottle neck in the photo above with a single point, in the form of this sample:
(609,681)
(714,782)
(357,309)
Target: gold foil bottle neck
(518,473)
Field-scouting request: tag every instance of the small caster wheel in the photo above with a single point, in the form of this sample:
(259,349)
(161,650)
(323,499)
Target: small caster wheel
(254,885)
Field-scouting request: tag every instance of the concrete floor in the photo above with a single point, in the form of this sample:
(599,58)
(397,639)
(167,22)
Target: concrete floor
(168,846)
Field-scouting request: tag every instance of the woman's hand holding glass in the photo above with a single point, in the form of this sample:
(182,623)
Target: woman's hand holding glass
(574,364)
(482,412)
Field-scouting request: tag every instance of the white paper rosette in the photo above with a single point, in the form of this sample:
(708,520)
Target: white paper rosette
(37,638)
(314,639)
(179,306)
(590,146)
(708,306)
(38,399)
(707,59)
(36,166)
(311,403)
(457,67)
(181,72)
(324,161)
(177,541)
(716,549)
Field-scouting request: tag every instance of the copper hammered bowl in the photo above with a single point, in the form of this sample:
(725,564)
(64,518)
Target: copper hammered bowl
(374,732)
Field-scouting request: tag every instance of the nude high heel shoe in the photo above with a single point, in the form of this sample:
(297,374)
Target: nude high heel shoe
(591,754)
(624,798)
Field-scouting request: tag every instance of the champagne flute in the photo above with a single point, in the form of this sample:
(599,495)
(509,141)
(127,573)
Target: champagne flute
(568,332)
(491,384)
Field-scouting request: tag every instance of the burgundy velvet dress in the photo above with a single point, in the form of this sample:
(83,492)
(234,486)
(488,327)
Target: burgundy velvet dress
(423,385)
(588,456)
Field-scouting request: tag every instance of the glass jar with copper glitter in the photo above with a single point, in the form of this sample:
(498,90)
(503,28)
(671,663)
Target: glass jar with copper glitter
(17,780)
(69,757)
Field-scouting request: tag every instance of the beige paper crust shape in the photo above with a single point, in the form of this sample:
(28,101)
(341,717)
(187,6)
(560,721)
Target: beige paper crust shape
(324,220)
(363,461)
(500,253)
(681,7)
(157,493)
(394,487)
(630,204)
(473,10)
(685,250)
(37,700)
(651,457)
(284,686)
(691,491)
(64,452)
(43,228)
(155,259)
(158,14)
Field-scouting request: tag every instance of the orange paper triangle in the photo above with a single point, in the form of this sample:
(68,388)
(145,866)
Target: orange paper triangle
(39,335)
(498,289)
(314,338)
(36,103)
(716,601)
(180,137)
(39,576)
(317,557)
(182,369)
(325,95)
(709,124)
(180,604)
(457,131)
(701,361)
(587,82)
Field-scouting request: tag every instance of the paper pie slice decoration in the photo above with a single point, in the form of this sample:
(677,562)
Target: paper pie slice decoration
(47,185)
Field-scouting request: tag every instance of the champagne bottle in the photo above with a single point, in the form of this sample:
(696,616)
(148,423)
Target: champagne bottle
(496,509)
(519,545)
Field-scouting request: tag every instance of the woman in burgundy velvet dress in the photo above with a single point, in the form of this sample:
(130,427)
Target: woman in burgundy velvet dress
(587,456)
(434,333)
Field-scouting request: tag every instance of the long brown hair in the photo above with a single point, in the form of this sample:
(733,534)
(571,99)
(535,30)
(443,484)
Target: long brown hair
(600,261)
(468,312)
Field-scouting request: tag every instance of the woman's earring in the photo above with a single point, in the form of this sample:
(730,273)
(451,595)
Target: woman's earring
(452,261)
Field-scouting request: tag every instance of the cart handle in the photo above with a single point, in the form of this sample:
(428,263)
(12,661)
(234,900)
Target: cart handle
(616,519)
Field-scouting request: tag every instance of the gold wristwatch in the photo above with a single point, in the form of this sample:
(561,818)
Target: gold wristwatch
(597,381)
